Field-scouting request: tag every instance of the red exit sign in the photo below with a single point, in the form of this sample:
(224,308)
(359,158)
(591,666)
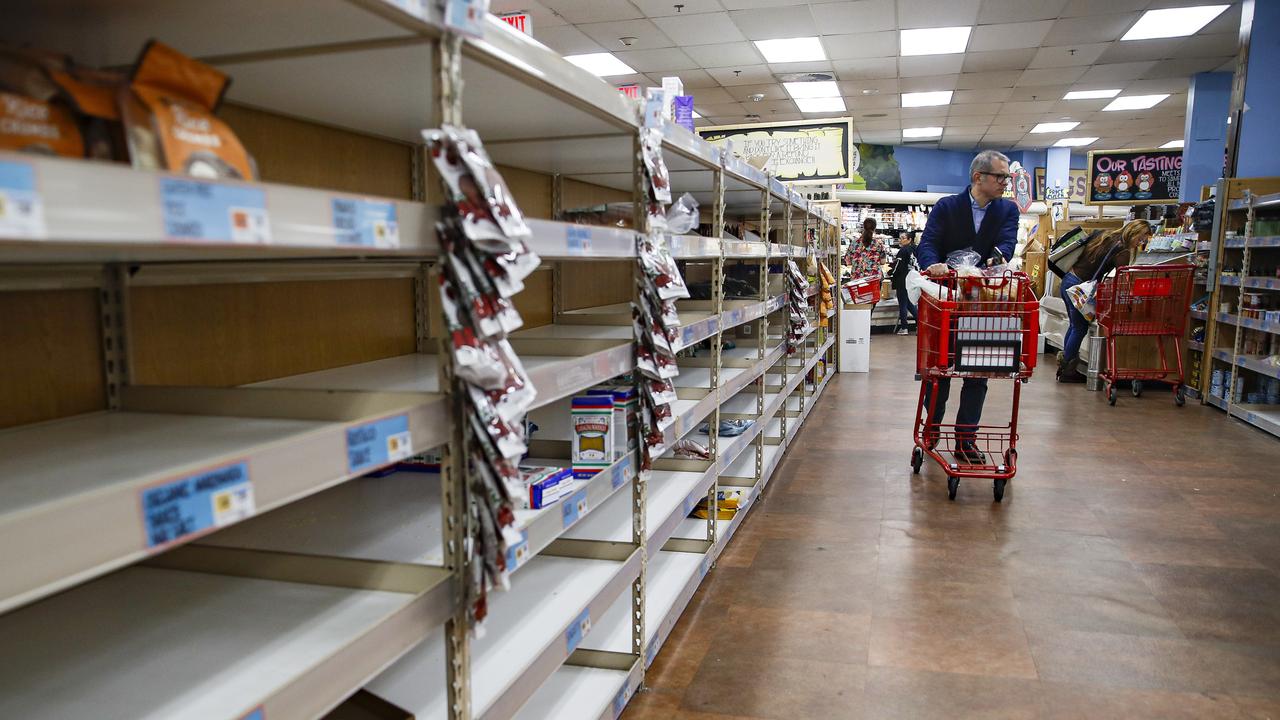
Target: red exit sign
(519,21)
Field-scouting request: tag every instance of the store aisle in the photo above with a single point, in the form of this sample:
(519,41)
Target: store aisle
(1133,570)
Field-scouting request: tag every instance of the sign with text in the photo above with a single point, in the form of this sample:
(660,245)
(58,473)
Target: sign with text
(520,21)
(1077,183)
(1134,177)
(813,151)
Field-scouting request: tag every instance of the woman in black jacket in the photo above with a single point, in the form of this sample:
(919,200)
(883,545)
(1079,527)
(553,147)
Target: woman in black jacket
(902,265)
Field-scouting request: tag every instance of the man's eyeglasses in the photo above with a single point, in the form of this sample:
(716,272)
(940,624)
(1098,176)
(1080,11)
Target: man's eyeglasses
(1001,178)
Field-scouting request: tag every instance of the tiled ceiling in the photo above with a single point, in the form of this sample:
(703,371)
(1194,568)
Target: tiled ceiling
(1022,57)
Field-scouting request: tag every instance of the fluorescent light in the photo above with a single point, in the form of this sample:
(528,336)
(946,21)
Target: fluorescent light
(1135,102)
(922,132)
(1173,22)
(696,115)
(1075,142)
(926,99)
(820,89)
(934,41)
(1172,144)
(602,64)
(1054,127)
(818,105)
(801,49)
(1090,94)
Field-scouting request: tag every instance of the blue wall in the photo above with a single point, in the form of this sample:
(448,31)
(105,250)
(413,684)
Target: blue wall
(1208,103)
(948,170)
(1259,151)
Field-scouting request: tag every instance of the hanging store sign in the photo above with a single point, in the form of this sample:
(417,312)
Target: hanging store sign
(1135,177)
(810,152)
(1077,183)
(1018,188)
(520,21)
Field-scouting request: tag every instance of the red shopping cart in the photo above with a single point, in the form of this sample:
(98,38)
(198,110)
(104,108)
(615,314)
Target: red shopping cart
(980,327)
(863,290)
(1145,301)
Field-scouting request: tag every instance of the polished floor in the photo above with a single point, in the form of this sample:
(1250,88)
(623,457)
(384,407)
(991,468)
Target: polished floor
(1133,570)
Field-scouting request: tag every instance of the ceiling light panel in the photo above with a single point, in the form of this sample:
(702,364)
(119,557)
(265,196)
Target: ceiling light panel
(926,99)
(1173,22)
(1173,145)
(934,41)
(1053,127)
(1135,102)
(821,89)
(922,132)
(1075,142)
(602,64)
(1090,94)
(803,49)
(821,105)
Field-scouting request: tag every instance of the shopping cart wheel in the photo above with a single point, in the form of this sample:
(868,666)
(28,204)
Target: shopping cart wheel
(1111,394)
(1180,396)
(953,483)
(998,488)
(917,459)
(1137,388)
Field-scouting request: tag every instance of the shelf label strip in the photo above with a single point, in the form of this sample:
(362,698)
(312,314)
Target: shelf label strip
(365,223)
(197,211)
(378,443)
(518,553)
(577,630)
(574,507)
(620,473)
(194,504)
(21,209)
(577,239)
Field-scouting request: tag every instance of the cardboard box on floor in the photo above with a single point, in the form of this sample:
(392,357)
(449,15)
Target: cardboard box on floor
(855,338)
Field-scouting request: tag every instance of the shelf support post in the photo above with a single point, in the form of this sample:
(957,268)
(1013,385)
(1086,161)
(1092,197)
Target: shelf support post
(639,484)
(717,350)
(113,308)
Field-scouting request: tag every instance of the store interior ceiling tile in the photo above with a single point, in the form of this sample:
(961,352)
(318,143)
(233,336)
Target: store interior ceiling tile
(1021,58)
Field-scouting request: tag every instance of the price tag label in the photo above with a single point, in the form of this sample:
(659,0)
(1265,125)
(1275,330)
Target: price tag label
(704,567)
(198,211)
(178,509)
(575,506)
(620,700)
(577,630)
(518,553)
(255,714)
(621,472)
(378,443)
(466,17)
(577,239)
(365,223)
(21,210)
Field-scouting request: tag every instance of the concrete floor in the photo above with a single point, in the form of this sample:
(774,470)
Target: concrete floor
(1133,570)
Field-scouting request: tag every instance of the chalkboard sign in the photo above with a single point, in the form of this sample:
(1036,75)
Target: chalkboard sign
(1134,177)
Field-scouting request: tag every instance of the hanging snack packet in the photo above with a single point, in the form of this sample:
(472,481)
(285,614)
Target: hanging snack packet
(661,392)
(515,393)
(474,361)
(506,441)
(465,193)
(501,205)
(651,150)
(168,112)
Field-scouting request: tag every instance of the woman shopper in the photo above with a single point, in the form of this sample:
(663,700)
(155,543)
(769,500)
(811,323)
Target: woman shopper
(868,255)
(1102,255)
(902,265)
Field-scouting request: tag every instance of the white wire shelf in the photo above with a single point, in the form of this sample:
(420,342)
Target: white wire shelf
(163,644)
(91,493)
(582,693)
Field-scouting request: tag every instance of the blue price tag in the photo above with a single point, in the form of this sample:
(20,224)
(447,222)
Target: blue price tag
(197,211)
(378,443)
(365,223)
(518,553)
(180,508)
(577,630)
(620,700)
(465,17)
(574,507)
(21,210)
(577,239)
(686,335)
(256,714)
(620,472)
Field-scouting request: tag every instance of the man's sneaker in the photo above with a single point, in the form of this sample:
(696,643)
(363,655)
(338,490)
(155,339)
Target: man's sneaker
(970,453)
(1071,375)
(903,331)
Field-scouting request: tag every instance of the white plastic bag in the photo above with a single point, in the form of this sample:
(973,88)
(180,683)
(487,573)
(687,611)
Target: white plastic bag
(917,284)
(1082,296)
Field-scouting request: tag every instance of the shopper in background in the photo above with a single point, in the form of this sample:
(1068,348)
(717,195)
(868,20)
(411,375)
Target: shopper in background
(977,219)
(902,265)
(1102,255)
(868,255)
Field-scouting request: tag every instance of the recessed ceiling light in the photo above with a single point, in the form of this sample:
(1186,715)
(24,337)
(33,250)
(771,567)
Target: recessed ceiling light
(926,99)
(1075,142)
(1054,127)
(922,132)
(1172,145)
(1135,102)
(602,64)
(1090,94)
(818,105)
(787,50)
(870,91)
(822,89)
(1173,22)
(934,41)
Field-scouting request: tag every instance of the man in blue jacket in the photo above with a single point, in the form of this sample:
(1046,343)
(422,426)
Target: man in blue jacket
(981,220)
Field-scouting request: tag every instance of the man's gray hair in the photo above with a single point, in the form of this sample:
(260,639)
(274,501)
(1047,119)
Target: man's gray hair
(985,160)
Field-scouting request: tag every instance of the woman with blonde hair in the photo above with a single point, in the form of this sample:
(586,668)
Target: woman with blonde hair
(1102,255)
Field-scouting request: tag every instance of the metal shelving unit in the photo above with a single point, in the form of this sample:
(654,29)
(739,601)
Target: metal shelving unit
(316,579)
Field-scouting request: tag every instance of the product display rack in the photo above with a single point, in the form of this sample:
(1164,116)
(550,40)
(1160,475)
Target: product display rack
(1240,255)
(331,580)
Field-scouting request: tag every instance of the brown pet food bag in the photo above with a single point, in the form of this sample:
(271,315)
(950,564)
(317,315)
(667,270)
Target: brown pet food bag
(33,116)
(169,122)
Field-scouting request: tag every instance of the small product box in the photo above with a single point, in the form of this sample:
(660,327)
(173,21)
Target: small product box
(625,406)
(544,485)
(683,110)
(592,417)
(672,87)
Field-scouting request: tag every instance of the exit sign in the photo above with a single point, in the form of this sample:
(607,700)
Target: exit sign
(519,21)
